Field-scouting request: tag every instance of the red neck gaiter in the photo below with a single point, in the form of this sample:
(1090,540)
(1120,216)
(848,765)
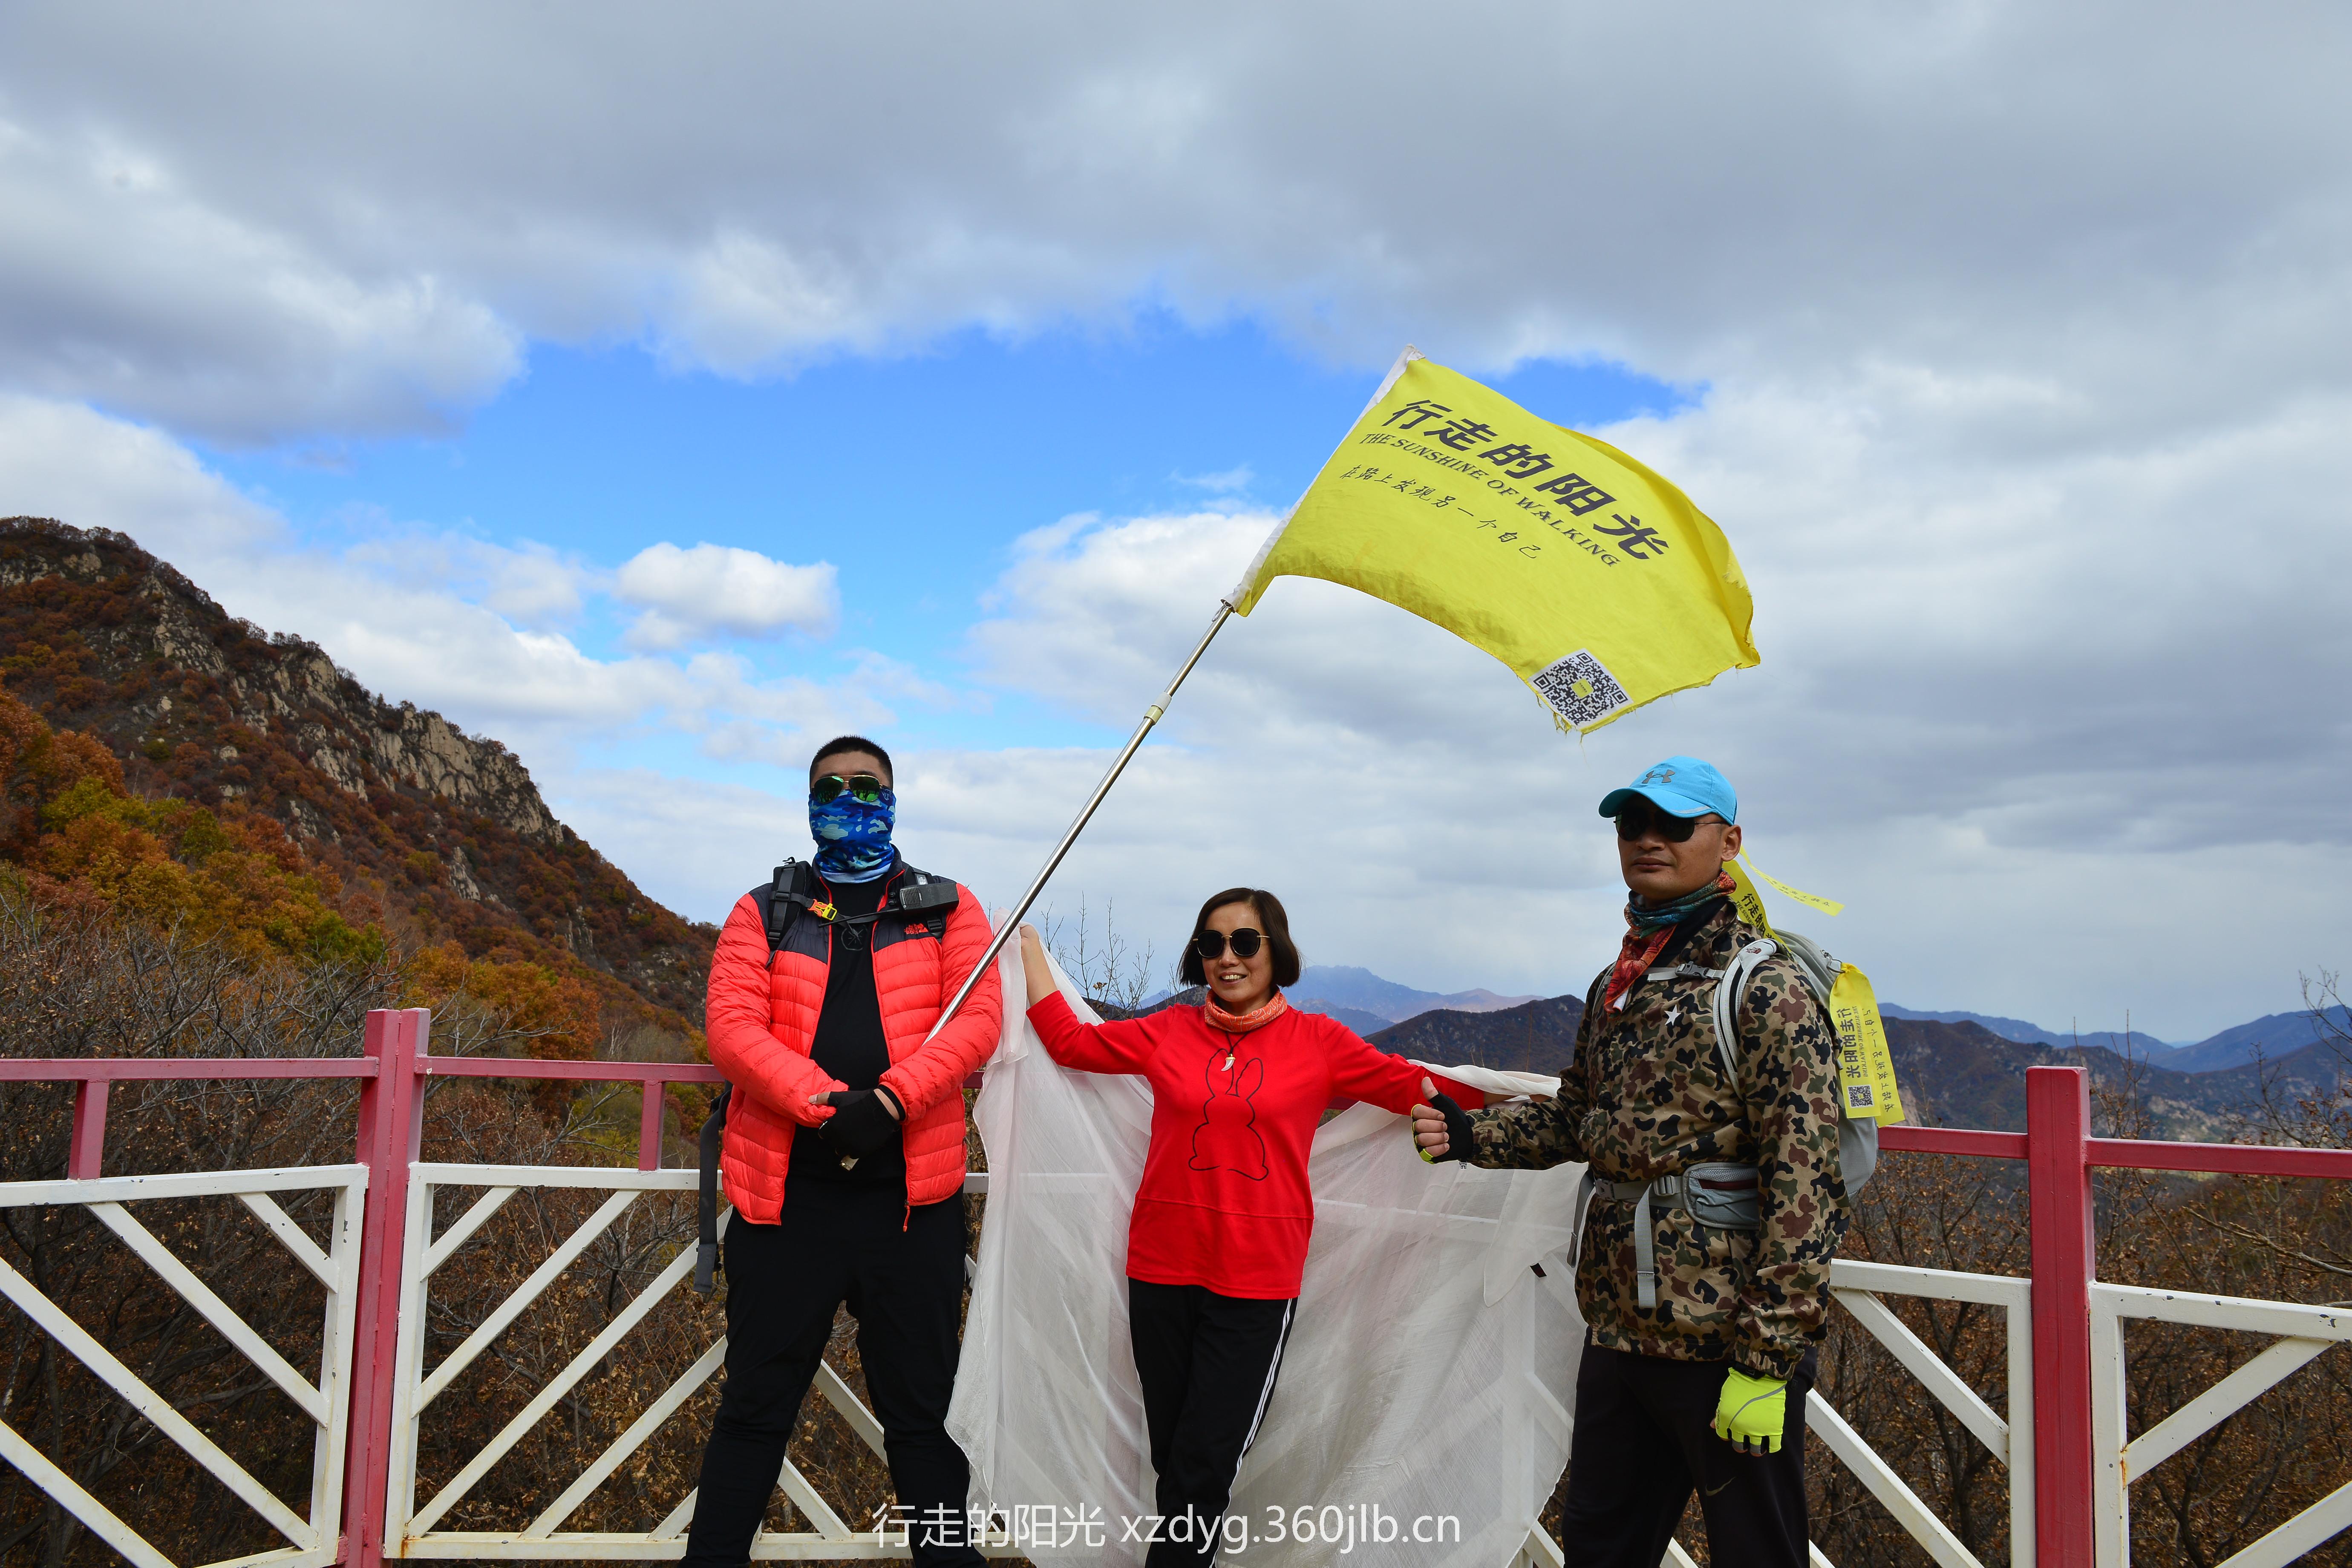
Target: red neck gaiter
(1641,946)
(1640,950)
(1243,1023)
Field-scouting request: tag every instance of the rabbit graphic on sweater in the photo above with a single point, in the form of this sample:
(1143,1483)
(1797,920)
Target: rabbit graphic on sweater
(1228,1138)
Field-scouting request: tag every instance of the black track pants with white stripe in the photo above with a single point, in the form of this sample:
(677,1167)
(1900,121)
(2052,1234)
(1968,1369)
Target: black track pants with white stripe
(1207,1364)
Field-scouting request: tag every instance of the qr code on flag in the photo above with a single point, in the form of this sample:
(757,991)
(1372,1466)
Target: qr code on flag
(1579,689)
(1858,1096)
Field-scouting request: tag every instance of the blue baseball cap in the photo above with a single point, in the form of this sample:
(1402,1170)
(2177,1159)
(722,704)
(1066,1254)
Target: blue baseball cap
(1679,786)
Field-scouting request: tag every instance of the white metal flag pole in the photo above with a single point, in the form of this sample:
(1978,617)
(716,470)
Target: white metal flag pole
(1152,716)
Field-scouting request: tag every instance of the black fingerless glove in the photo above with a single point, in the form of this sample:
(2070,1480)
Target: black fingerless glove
(1458,1137)
(861,1123)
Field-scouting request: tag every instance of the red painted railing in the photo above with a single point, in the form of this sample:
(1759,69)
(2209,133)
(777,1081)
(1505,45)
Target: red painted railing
(2060,1154)
(392,1113)
(2057,1147)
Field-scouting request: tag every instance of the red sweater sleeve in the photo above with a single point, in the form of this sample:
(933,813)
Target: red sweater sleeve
(1123,1046)
(1362,1070)
(743,1043)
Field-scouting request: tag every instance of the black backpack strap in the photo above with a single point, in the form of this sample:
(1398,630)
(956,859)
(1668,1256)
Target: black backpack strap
(791,889)
(705,1251)
(921,892)
(912,892)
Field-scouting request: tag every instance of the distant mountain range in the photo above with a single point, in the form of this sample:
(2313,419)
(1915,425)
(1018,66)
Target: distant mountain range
(1368,1004)
(1953,1074)
(2274,1038)
(1962,1075)
(1534,1037)
(1342,989)
(2135,1044)
(2277,1036)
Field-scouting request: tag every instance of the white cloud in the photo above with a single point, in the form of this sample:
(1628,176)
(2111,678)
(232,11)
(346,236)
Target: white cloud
(64,462)
(318,220)
(1225,481)
(532,585)
(423,617)
(715,590)
(121,285)
(528,585)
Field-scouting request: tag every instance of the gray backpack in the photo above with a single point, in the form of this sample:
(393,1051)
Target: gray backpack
(1857,1135)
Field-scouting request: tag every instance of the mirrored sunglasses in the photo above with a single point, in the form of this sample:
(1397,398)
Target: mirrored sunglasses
(864,788)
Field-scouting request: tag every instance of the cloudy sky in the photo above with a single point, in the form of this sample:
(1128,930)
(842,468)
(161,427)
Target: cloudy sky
(662,389)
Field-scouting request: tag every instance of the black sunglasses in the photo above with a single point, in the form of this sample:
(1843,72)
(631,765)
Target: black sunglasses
(1211,944)
(864,788)
(1639,819)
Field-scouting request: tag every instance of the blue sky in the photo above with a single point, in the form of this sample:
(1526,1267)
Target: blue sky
(912,474)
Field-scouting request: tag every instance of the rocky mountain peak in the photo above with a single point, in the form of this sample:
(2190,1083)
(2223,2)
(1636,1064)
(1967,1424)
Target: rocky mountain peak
(277,683)
(98,635)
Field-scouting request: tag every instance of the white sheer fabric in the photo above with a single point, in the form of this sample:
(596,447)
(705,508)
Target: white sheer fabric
(1430,1371)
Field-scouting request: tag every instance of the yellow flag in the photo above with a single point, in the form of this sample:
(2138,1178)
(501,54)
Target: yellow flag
(1827,906)
(1746,901)
(1866,1067)
(1593,578)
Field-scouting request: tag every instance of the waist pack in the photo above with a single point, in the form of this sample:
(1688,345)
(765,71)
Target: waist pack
(1718,1195)
(791,890)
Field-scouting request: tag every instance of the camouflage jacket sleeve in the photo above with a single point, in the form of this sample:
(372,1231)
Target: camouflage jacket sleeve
(1539,1134)
(1788,1073)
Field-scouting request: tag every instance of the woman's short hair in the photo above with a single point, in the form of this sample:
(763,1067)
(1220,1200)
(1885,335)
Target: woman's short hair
(1271,923)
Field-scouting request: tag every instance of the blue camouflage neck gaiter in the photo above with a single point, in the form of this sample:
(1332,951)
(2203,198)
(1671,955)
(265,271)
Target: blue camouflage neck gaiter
(853,840)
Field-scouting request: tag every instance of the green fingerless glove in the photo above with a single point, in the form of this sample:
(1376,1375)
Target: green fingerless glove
(1751,1411)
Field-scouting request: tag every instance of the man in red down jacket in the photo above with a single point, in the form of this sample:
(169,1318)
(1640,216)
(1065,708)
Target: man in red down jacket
(844,1161)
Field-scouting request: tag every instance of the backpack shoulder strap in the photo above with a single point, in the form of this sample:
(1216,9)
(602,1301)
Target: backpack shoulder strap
(706,1208)
(1857,1136)
(1736,976)
(1594,993)
(789,890)
(923,892)
(1682,972)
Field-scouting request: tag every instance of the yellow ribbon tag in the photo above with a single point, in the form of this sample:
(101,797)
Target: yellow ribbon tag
(1746,901)
(1827,906)
(1865,1067)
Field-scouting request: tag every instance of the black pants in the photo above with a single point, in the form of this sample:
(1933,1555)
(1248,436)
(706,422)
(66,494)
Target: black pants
(1207,1364)
(839,1242)
(1644,1439)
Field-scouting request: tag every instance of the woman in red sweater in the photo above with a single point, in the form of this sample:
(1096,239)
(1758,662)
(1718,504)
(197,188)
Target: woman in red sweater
(1218,1237)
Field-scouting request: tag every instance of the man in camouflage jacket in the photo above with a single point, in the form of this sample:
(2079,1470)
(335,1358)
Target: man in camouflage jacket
(1705,1388)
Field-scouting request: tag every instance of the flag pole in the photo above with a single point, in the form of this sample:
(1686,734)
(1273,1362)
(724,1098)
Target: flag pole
(1152,716)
